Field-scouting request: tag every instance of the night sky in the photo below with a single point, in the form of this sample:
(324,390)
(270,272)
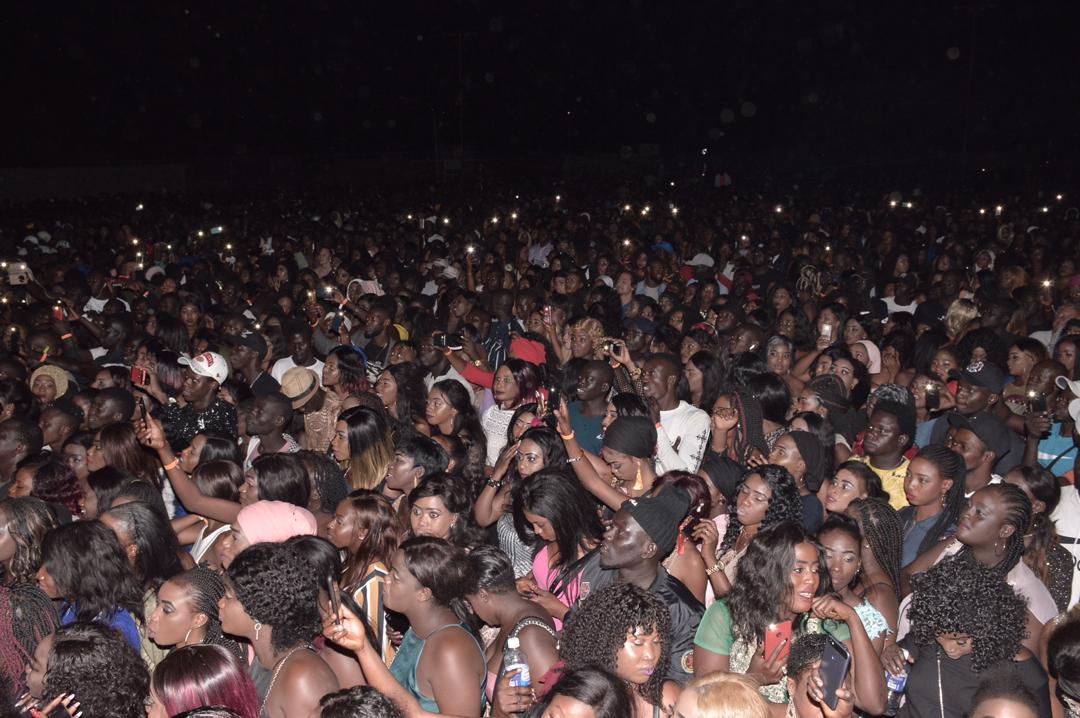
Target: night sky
(842,82)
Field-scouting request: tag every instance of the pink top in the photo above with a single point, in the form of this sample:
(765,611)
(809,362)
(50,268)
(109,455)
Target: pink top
(545,576)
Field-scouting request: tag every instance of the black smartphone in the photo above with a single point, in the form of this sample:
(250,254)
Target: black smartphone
(554,399)
(335,598)
(1038,402)
(835,664)
(933,397)
(449,341)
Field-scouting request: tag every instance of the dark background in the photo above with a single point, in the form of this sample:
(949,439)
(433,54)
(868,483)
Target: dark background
(959,87)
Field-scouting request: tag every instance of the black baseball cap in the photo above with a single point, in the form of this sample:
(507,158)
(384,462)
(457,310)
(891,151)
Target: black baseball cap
(991,431)
(252,340)
(981,373)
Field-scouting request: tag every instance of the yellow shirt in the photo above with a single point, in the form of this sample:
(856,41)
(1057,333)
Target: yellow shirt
(892,480)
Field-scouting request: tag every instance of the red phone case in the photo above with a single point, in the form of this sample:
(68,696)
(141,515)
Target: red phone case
(774,635)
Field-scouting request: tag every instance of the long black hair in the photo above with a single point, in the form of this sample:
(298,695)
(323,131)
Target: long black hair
(785,504)
(156,548)
(98,664)
(764,583)
(91,571)
(204,589)
(564,503)
(282,477)
(595,687)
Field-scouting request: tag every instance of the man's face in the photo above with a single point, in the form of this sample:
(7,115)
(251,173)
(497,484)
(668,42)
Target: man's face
(656,271)
(657,378)
(301,348)
(102,412)
(53,429)
(591,384)
(460,307)
(742,340)
(196,388)
(376,323)
(636,340)
(969,446)
(882,435)
(240,356)
(971,398)
(428,355)
(624,542)
(262,418)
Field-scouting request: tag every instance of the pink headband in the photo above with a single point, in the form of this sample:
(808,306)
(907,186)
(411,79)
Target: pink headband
(275,521)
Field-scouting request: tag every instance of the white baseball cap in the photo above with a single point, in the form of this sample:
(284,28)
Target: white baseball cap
(208,364)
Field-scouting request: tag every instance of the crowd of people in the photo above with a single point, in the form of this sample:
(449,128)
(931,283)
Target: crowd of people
(635,456)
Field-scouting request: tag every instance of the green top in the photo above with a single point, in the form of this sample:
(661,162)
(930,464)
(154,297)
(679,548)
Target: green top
(717,634)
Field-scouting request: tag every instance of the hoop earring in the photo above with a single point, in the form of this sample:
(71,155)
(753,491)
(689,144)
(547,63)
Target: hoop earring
(639,484)
(187,635)
(258,627)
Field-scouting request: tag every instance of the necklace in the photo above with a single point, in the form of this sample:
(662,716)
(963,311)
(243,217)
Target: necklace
(940,697)
(277,669)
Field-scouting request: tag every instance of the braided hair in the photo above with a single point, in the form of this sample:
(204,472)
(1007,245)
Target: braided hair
(1017,510)
(205,588)
(1043,486)
(785,504)
(951,466)
(597,630)
(882,530)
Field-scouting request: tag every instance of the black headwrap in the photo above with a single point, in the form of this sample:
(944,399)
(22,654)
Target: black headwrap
(632,435)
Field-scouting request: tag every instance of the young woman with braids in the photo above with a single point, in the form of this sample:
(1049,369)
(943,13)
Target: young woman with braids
(841,543)
(186,613)
(966,621)
(271,600)
(328,486)
(367,529)
(26,614)
(781,581)
(990,532)
(766,496)
(1047,558)
(934,489)
(201,675)
(879,580)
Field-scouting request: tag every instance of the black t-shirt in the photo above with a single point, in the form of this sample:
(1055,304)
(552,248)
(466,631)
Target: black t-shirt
(958,683)
(264,384)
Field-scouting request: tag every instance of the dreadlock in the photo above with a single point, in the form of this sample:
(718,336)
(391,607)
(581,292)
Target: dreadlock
(951,466)
(1018,515)
(205,588)
(882,530)
(27,615)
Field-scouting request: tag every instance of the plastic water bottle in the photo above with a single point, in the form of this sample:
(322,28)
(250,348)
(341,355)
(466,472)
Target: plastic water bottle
(896,685)
(514,659)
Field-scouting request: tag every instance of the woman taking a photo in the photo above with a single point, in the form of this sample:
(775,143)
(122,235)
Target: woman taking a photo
(363,446)
(366,527)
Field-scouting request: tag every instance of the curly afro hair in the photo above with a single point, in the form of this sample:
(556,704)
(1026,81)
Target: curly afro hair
(277,588)
(962,596)
(785,504)
(597,630)
(97,664)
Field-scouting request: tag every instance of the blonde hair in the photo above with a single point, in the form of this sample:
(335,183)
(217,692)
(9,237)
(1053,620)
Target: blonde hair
(367,469)
(595,330)
(728,695)
(958,316)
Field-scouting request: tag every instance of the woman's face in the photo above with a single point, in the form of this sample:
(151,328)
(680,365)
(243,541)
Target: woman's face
(581,344)
(95,459)
(400,354)
(853,332)
(234,619)
(439,411)
(189,456)
(386,390)
(859,353)
(785,452)
(844,369)
(231,544)
(804,578)
(779,359)
(249,490)
(623,466)
(522,424)
(535,323)
(566,707)
(785,325)
(828,318)
(943,363)
(430,517)
(340,443)
(23,484)
(924,484)
(955,645)
(343,530)
(823,365)
(505,388)
(781,300)
(694,377)
(75,456)
(688,349)
(541,526)
(1066,354)
(1016,478)
(752,500)
(38,665)
(400,586)
(44,388)
(636,660)
(610,415)
(530,458)
(984,522)
(102,380)
(844,488)
(331,373)
(190,316)
(842,557)
(1019,362)
(174,618)
(46,583)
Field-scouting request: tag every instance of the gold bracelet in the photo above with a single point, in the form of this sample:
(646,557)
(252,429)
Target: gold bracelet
(718,566)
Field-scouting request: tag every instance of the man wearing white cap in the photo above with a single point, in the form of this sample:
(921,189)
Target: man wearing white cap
(201,410)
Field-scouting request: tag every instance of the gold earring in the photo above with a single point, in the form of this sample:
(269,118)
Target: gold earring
(638,483)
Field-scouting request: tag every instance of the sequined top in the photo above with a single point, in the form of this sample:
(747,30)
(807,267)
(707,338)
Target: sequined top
(1060,562)
(182,423)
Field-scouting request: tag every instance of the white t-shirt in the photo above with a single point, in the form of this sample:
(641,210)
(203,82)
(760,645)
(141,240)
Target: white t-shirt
(94,304)
(283,365)
(451,373)
(681,438)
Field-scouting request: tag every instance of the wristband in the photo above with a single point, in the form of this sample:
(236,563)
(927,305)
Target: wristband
(567,437)
(172,465)
(65,337)
(576,459)
(494,484)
